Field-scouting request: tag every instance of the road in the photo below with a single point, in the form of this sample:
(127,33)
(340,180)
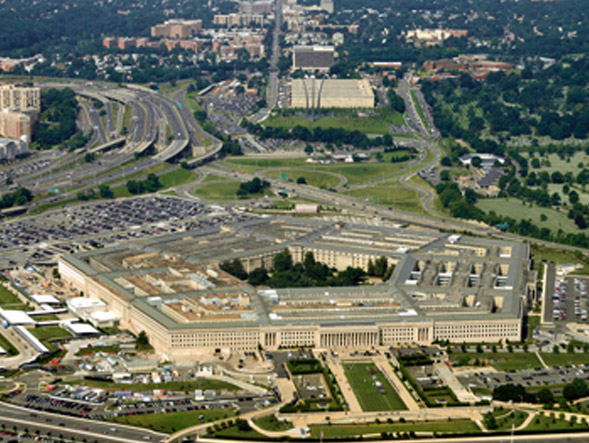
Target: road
(79,428)
(272,90)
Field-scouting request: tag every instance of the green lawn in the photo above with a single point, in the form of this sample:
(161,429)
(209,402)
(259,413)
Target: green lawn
(234,433)
(218,191)
(335,431)
(564,358)
(558,256)
(50,332)
(354,172)
(504,418)
(8,299)
(514,208)
(563,166)
(541,423)
(42,208)
(373,124)
(271,423)
(499,360)
(175,386)
(360,377)
(313,178)
(391,196)
(7,346)
(177,177)
(173,421)
(215,178)
(50,317)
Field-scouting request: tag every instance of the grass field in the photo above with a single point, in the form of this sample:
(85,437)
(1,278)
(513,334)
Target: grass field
(515,209)
(7,346)
(354,172)
(360,377)
(313,178)
(558,256)
(565,359)
(562,165)
(271,423)
(173,421)
(8,299)
(50,332)
(177,177)
(218,191)
(499,360)
(335,431)
(175,386)
(374,124)
(504,418)
(541,423)
(391,196)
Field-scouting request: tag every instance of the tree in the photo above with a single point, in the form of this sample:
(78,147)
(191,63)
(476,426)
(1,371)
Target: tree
(257,277)
(283,261)
(105,191)
(142,339)
(573,197)
(571,348)
(308,149)
(545,396)
(301,181)
(576,389)
(476,161)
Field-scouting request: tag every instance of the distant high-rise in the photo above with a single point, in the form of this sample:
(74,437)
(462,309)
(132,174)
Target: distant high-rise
(327,5)
(20,97)
(177,28)
(15,125)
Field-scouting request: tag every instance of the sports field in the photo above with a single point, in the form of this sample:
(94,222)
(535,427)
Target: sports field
(372,389)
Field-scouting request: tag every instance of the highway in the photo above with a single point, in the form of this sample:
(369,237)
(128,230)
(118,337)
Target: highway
(56,424)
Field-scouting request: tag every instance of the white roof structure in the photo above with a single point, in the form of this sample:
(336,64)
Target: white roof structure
(104,316)
(85,303)
(81,328)
(45,299)
(16,317)
(2,351)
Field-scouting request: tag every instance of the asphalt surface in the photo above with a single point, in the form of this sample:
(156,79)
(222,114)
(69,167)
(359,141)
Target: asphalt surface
(70,426)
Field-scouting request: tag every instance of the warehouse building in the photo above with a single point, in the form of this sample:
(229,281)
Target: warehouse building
(313,93)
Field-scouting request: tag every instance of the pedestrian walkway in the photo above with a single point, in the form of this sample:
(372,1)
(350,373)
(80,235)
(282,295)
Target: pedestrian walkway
(398,385)
(338,372)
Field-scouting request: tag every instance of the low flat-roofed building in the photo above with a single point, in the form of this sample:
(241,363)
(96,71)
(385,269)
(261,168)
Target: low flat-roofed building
(443,287)
(44,299)
(313,93)
(12,317)
(81,329)
(104,319)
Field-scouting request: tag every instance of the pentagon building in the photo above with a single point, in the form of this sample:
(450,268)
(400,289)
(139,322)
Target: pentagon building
(443,287)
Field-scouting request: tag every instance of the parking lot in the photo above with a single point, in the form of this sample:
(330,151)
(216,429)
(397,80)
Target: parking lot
(566,300)
(99,224)
(526,377)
